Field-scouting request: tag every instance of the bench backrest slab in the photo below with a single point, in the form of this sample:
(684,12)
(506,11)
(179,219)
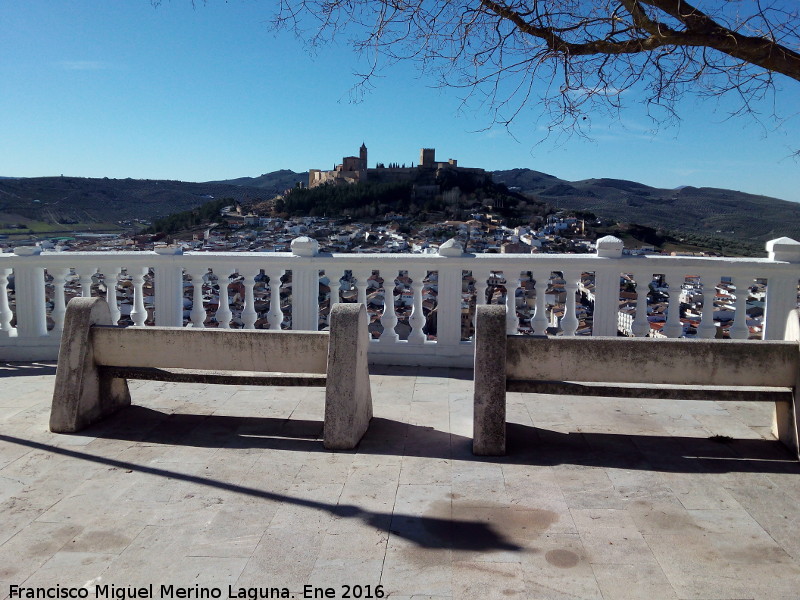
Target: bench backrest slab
(211,349)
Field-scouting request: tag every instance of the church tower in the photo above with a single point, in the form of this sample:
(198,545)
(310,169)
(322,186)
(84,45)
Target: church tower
(362,154)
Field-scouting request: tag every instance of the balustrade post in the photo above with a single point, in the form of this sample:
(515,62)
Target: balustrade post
(539,322)
(781,289)
(641,326)
(417,319)
(29,291)
(606,286)
(448,307)
(5,310)
(569,324)
(305,286)
(168,283)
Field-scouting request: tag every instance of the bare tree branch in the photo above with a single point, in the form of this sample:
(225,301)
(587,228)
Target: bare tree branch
(570,57)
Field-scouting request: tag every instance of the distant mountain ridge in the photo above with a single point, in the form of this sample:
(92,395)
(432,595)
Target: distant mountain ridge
(698,210)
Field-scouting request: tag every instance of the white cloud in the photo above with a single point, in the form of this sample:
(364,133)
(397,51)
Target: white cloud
(83,65)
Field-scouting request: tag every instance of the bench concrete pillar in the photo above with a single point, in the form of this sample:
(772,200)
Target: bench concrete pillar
(786,419)
(489,418)
(81,395)
(348,400)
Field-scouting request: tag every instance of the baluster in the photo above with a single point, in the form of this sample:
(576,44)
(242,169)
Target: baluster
(335,284)
(673,328)
(111,276)
(389,318)
(481,285)
(86,282)
(539,322)
(59,306)
(249,314)
(641,326)
(224,314)
(362,275)
(740,330)
(512,320)
(6,315)
(707,329)
(198,314)
(275,315)
(569,324)
(417,319)
(139,313)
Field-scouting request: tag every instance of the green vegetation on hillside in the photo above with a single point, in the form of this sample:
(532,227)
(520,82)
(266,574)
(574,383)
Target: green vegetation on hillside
(370,199)
(189,219)
(27,228)
(359,200)
(672,241)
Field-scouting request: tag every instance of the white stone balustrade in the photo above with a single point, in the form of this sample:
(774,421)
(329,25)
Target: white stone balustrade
(24,331)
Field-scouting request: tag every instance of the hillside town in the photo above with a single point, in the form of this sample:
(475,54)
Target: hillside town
(483,233)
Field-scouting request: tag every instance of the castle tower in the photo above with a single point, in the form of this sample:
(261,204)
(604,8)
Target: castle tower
(362,154)
(427,157)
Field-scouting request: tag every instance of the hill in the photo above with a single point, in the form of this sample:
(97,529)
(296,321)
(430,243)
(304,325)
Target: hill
(49,204)
(727,213)
(274,183)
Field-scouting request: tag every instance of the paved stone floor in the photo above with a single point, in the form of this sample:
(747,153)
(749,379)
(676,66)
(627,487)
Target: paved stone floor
(205,487)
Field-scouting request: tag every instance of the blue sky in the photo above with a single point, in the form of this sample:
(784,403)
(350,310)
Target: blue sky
(123,89)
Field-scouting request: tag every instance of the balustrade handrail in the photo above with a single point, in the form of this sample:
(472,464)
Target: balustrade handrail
(24,332)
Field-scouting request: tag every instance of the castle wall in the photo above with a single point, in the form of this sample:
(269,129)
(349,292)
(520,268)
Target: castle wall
(354,169)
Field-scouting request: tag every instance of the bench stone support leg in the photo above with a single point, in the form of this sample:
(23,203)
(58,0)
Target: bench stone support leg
(786,423)
(81,396)
(786,420)
(489,417)
(348,399)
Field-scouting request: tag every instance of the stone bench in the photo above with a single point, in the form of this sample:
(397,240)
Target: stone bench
(627,368)
(96,359)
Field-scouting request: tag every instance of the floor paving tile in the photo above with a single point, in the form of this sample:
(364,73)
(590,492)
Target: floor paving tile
(597,499)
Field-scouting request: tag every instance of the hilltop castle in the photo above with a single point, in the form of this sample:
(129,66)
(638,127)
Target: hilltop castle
(353,169)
